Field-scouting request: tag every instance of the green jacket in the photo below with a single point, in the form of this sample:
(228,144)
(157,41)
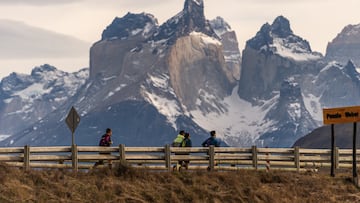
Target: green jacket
(178,140)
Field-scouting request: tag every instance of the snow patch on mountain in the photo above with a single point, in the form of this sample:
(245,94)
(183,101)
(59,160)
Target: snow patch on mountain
(241,120)
(3,137)
(170,108)
(207,97)
(313,105)
(24,109)
(295,111)
(294,51)
(232,57)
(32,92)
(198,2)
(148,29)
(330,65)
(111,93)
(205,39)
(162,81)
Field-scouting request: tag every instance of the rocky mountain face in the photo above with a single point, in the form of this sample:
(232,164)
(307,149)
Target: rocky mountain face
(148,81)
(27,99)
(341,90)
(343,87)
(230,45)
(345,46)
(276,67)
(272,56)
(290,118)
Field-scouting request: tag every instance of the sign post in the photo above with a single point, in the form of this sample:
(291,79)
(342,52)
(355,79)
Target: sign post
(354,156)
(72,120)
(342,115)
(332,173)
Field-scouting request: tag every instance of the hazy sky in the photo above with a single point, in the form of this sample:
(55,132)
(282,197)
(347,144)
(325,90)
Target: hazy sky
(60,32)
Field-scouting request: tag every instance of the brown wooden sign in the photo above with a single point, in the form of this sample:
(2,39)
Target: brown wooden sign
(349,114)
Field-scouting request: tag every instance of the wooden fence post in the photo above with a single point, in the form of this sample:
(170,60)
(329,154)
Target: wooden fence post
(212,157)
(267,155)
(254,157)
(337,160)
(26,157)
(122,153)
(167,157)
(74,157)
(297,158)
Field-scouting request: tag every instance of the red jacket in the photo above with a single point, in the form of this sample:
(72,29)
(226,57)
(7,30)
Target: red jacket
(105,140)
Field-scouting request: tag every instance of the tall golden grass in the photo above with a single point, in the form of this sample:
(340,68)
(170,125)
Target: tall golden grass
(126,184)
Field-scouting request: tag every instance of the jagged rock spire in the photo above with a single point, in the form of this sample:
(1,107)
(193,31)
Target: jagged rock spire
(281,27)
(196,6)
(279,30)
(190,19)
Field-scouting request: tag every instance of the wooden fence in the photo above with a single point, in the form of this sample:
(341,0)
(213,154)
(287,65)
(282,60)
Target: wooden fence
(164,158)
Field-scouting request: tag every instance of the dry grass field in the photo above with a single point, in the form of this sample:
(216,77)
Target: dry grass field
(127,184)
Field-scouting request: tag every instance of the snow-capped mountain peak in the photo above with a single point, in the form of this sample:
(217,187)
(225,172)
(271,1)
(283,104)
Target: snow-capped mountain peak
(131,25)
(26,99)
(278,38)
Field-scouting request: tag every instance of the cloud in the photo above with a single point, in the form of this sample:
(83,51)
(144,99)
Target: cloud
(37,2)
(19,40)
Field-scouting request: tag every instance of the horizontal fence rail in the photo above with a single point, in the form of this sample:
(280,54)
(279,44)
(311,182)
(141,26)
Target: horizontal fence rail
(167,158)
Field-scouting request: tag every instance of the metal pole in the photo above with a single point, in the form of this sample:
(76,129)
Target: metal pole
(354,152)
(72,138)
(74,158)
(332,173)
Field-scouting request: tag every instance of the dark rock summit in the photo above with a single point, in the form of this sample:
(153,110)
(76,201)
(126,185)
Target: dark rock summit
(190,19)
(130,25)
(345,46)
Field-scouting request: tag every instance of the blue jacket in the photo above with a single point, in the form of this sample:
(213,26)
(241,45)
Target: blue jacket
(211,141)
(186,143)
